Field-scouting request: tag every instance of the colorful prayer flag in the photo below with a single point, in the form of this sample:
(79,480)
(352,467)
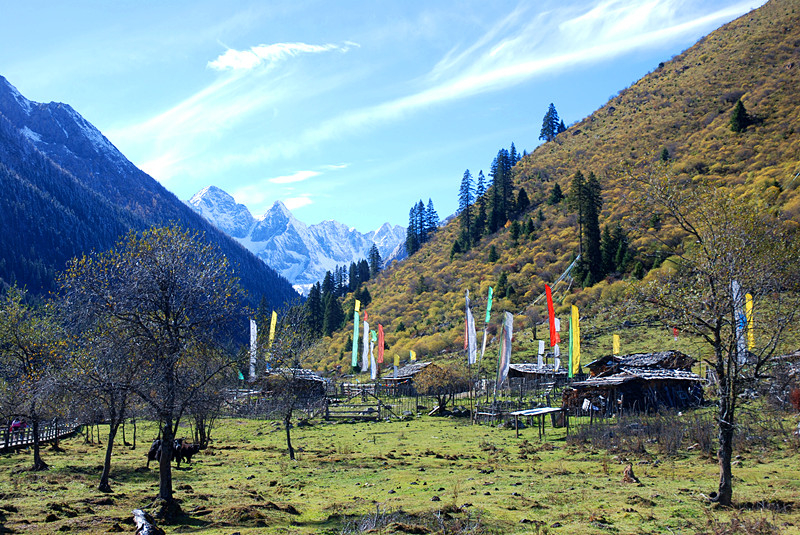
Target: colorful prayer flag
(273,322)
(396,360)
(365,352)
(241,377)
(357,306)
(380,344)
(575,342)
(373,367)
(354,358)
(504,357)
(741,321)
(412,355)
(540,356)
(748,311)
(470,337)
(569,349)
(615,344)
(489,305)
(554,336)
(253,348)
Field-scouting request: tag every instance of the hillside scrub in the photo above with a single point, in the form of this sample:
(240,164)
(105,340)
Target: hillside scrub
(683,106)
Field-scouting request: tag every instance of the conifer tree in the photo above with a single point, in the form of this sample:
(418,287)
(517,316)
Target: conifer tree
(522,201)
(593,204)
(328,287)
(375,261)
(333,317)
(479,226)
(412,232)
(422,225)
(363,270)
(575,201)
(431,218)
(556,195)
(550,124)
(739,118)
(466,198)
(353,280)
(316,314)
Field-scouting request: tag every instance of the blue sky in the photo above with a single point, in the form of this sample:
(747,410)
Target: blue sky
(346,110)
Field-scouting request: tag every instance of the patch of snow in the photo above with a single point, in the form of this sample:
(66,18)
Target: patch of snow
(30,134)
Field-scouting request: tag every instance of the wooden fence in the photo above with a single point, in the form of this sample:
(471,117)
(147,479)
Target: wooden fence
(22,438)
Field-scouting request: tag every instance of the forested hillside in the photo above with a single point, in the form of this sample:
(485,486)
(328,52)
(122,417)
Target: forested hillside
(66,191)
(725,112)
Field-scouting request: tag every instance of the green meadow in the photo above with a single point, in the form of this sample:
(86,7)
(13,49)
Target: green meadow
(426,475)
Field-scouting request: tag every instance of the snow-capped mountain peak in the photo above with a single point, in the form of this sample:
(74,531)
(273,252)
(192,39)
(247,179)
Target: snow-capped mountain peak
(221,209)
(301,253)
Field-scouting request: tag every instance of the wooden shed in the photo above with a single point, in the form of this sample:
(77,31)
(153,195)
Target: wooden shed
(640,382)
(403,382)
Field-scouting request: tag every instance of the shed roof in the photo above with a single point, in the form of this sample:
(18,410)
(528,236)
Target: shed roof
(408,371)
(671,359)
(534,369)
(300,374)
(627,374)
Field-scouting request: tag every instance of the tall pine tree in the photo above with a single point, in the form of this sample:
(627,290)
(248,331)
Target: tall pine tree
(593,202)
(375,261)
(466,198)
(550,124)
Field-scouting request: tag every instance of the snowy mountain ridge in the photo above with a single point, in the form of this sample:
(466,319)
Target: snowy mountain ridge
(302,253)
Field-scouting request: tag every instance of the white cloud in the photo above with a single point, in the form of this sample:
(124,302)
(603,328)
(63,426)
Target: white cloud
(269,55)
(299,176)
(293,203)
(520,47)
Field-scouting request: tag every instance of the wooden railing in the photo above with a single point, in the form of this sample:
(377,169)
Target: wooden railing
(21,438)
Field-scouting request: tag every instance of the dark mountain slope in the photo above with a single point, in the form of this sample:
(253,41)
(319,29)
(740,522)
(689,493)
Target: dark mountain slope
(67,191)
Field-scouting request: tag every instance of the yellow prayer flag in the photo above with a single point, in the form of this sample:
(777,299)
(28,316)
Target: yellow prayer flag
(615,345)
(358,306)
(576,341)
(397,360)
(272,324)
(413,355)
(748,313)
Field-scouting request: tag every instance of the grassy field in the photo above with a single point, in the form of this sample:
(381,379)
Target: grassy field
(427,475)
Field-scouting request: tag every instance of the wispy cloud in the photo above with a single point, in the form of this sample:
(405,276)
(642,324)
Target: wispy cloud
(522,46)
(259,195)
(299,176)
(267,55)
(292,203)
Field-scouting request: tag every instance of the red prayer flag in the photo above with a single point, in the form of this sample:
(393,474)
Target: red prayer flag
(380,344)
(554,336)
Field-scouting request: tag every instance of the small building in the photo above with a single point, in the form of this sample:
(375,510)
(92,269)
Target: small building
(670,360)
(533,372)
(639,382)
(403,382)
(307,383)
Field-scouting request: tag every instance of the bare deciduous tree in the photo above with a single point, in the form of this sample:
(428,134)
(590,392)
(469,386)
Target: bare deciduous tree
(31,353)
(172,295)
(289,384)
(732,246)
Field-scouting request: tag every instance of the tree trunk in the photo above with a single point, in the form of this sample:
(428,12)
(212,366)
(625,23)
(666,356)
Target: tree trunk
(287,422)
(726,430)
(38,463)
(165,463)
(104,486)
